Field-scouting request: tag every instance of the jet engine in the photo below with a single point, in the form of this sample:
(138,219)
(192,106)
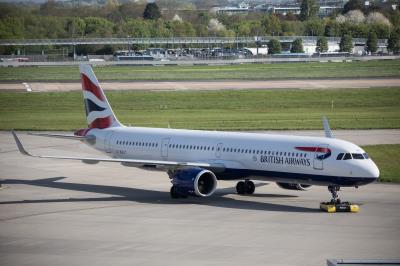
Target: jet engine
(293,186)
(193,182)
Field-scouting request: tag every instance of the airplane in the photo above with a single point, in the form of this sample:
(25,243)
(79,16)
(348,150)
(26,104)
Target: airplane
(195,160)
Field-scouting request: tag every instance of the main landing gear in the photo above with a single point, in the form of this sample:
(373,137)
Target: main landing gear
(245,187)
(336,205)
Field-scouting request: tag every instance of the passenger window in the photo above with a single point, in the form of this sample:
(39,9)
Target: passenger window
(366,156)
(340,156)
(347,156)
(357,156)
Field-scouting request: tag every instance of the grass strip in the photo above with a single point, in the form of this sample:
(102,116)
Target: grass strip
(213,110)
(311,70)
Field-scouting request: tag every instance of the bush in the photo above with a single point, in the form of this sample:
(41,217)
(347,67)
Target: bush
(372,43)
(274,47)
(346,44)
(297,46)
(322,45)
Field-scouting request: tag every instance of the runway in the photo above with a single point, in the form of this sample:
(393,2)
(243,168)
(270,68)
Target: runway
(56,212)
(209,85)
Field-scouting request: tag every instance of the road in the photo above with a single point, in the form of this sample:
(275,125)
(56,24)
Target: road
(56,212)
(210,85)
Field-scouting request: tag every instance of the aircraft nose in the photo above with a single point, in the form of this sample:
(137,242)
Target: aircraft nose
(372,171)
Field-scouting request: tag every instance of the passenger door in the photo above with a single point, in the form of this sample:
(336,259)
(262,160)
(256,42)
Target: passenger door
(218,150)
(319,156)
(164,148)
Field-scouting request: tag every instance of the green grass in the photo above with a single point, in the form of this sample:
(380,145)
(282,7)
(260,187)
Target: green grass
(386,158)
(222,110)
(378,68)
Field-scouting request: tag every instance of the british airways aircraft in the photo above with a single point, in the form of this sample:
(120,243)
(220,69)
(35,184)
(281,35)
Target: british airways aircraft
(195,160)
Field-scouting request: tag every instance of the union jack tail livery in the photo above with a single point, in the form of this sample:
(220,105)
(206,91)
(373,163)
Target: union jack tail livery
(98,111)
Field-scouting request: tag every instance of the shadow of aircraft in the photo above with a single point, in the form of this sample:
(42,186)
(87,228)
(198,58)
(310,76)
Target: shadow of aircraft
(152,197)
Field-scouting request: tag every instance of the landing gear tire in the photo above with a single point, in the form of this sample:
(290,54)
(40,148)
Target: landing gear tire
(245,187)
(241,188)
(174,193)
(250,187)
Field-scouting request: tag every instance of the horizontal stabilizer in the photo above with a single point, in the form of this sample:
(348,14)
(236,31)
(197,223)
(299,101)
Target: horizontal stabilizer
(60,136)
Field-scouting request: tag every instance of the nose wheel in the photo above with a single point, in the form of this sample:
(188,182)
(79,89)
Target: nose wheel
(336,205)
(245,187)
(334,191)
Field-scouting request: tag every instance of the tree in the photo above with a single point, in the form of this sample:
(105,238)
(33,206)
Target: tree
(377,18)
(297,46)
(394,41)
(274,47)
(372,42)
(308,9)
(314,27)
(353,5)
(271,24)
(355,16)
(346,44)
(98,27)
(151,11)
(322,45)
(75,27)
(332,28)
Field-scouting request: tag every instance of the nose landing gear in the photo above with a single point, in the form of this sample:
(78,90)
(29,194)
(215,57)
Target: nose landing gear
(334,191)
(336,205)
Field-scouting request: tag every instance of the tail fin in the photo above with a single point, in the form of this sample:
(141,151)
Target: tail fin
(98,111)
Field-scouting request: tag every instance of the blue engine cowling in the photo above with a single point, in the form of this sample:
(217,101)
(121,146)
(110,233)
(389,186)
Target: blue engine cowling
(194,182)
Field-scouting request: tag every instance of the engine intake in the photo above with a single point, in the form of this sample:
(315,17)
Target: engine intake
(194,182)
(293,186)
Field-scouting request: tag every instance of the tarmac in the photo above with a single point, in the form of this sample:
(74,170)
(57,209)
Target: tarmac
(57,212)
(207,85)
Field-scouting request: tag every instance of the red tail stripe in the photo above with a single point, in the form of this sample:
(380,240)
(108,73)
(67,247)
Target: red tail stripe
(313,149)
(101,123)
(88,85)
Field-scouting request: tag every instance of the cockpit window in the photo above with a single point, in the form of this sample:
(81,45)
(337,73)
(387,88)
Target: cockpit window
(340,156)
(358,156)
(366,156)
(347,156)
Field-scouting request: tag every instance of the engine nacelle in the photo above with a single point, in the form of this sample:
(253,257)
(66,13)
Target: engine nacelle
(194,182)
(292,186)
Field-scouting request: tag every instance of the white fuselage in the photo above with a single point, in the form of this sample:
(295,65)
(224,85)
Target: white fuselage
(294,159)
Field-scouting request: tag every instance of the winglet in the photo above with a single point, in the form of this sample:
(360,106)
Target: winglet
(19,144)
(327,128)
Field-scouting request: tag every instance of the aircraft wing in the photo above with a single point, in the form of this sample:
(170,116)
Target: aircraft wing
(125,162)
